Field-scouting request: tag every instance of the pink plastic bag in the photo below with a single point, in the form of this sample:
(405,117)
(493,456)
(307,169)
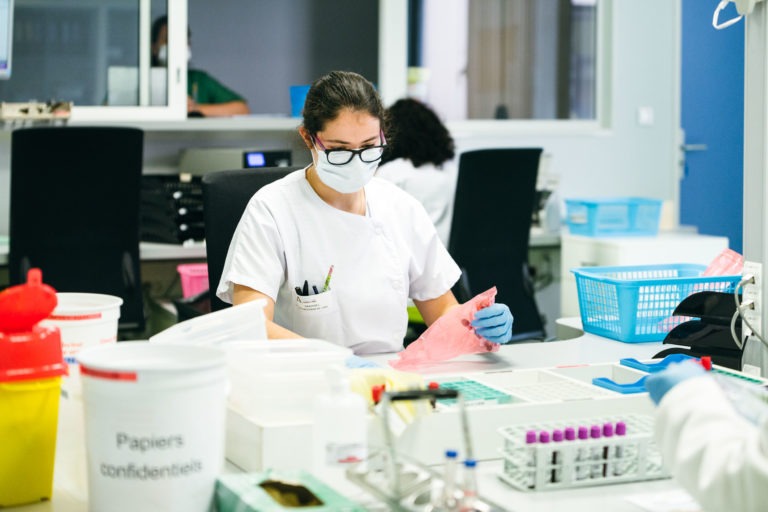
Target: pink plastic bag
(450,336)
(727,263)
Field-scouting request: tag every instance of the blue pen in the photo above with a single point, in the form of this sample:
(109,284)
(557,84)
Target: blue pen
(315,288)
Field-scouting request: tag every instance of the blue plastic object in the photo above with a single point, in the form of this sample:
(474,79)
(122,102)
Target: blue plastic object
(635,303)
(624,389)
(360,362)
(620,216)
(654,367)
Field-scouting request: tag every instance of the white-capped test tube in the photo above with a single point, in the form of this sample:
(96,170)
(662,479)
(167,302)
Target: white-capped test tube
(595,452)
(619,467)
(582,454)
(530,459)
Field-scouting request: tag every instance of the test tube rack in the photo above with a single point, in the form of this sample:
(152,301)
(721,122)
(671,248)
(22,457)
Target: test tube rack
(575,463)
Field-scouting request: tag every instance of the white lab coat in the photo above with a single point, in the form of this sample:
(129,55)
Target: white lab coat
(288,235)
(433,187)
(719,457)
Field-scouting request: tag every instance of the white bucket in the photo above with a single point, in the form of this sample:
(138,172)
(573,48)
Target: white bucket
(85,320)
(154,425)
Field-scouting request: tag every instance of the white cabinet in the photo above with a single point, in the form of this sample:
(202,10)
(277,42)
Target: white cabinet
(582,251)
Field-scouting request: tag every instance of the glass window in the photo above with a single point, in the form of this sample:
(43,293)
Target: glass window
(93,53)
(504,59)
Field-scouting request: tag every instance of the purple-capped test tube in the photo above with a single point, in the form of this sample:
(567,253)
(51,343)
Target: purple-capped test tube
(620,465)
(570,433)
(582,454)
(595,452)
(530,458)
(557,456)
(608,436)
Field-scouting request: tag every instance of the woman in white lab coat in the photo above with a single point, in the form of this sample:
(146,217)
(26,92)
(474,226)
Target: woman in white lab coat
(335,252)
(715,453)
(420,160)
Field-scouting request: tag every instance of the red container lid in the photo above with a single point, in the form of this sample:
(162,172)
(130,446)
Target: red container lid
(27,350)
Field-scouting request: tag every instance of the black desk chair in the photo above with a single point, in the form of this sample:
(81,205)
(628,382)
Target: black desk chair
(74,212)
(225,196)
(490,231)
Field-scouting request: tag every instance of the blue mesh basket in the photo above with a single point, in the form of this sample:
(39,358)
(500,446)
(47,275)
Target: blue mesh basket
(623,216)
(635,303)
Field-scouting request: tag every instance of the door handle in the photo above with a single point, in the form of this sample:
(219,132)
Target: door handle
(693,147)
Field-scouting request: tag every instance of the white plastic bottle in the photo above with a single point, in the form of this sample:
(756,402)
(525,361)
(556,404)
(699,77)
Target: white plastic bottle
(340,430)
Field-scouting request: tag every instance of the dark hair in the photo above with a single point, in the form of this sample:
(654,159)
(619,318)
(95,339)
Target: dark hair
(337,90)
(418,135)
(154,34)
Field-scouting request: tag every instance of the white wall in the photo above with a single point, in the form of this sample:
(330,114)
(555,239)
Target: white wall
(624,158)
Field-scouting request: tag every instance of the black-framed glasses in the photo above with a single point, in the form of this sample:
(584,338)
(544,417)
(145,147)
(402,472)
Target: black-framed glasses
(344,156)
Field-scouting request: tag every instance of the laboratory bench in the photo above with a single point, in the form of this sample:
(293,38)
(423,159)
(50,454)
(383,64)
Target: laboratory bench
(70,481)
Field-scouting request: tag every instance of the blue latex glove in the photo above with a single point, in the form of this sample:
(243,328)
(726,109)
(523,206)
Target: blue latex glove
(360,362)
(659,383)
(494,323)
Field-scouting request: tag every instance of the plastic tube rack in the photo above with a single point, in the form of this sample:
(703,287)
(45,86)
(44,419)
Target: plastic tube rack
(581,462)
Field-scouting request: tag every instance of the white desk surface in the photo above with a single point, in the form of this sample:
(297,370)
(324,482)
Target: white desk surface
(148,251)
(151,251)
(70,484)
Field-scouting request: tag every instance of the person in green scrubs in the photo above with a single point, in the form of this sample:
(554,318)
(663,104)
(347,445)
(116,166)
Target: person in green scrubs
(206,96)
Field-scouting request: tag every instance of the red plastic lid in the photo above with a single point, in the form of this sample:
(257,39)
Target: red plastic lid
(29,351)
(31,355)
(23,306)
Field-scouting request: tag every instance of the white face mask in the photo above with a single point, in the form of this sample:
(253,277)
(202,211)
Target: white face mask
(162,55)
(346,178)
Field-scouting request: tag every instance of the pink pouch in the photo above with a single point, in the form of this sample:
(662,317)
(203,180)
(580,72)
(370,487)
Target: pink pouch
(727,263)
(450,336)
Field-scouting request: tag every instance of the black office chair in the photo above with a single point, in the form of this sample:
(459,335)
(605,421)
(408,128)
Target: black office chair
(490,231)
(74,212)
(225,196)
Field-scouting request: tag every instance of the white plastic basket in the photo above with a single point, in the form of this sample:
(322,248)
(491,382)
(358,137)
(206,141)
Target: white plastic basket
(581,462)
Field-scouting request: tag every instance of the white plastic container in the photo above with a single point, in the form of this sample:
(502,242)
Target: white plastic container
(85,320)
(339,433)
(278,380)
(154,425)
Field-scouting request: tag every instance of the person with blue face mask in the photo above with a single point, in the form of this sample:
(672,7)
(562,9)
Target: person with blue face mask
(336,252)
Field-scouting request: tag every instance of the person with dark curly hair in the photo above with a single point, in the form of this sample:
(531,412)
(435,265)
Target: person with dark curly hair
(420,160)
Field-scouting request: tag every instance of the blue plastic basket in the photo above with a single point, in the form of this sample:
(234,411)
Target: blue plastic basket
(635,303)
(624,216)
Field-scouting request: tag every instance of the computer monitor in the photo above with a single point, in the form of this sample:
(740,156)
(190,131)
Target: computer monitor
(6,38)
(266,159)
(123,86)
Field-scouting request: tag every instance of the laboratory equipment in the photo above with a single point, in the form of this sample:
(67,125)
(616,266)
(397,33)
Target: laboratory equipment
(585,461)
(401,481)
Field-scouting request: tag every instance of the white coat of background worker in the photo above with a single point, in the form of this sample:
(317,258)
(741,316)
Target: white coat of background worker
(714,452)
(379,240)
